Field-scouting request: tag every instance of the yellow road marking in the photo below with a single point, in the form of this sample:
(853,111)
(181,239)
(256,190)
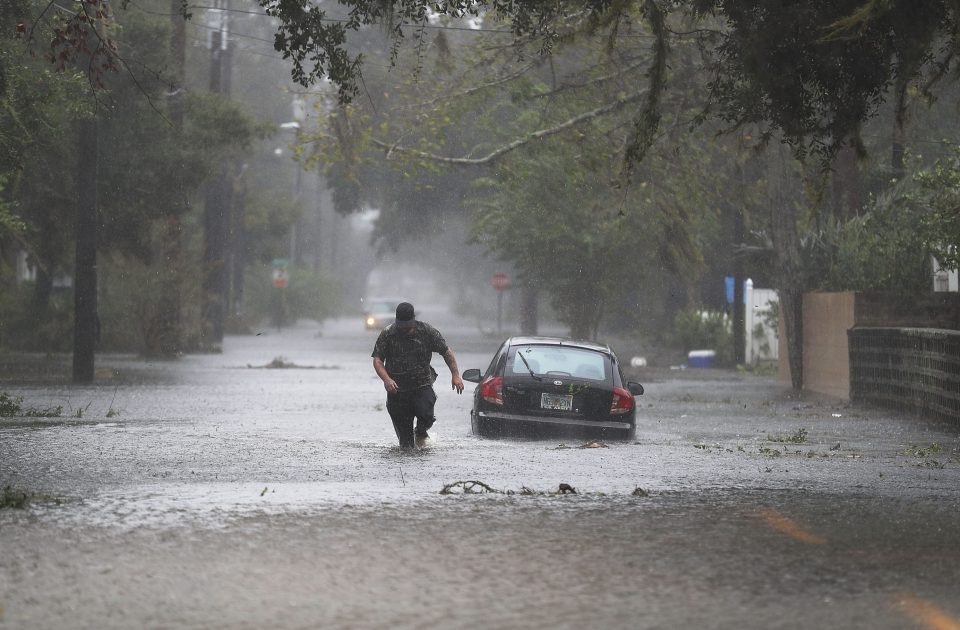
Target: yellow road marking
(926,613)
(786,526)
(922,611)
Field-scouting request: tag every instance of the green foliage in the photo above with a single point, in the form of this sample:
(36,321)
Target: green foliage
(309,295)
(915,450)
(136,314)
(937,195)
(11,406)
(695,329)
(19,499)
(25,325)
(889,246)
(797,437)
(10,223)
(12,498)
(803,69)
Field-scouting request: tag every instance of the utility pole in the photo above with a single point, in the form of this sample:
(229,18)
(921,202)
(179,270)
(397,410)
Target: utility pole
(85,327)
(739,278)
(86,322)
(216,200)
(167,338)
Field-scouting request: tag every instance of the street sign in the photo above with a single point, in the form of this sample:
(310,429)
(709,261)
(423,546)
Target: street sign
(280,278)
(500,280)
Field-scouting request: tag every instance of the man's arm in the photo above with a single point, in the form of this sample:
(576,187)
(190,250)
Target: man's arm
(451,362)
(388,383)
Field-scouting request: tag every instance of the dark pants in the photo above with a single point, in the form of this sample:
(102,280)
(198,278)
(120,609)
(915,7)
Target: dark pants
(403,406)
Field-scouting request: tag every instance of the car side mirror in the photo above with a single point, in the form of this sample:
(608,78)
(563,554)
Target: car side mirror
(473,375)
(635,388)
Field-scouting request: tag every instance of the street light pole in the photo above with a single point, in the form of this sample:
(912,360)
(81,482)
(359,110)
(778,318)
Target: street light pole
(294,126)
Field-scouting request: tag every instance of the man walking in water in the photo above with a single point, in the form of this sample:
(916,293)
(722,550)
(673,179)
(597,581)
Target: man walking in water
(401,358)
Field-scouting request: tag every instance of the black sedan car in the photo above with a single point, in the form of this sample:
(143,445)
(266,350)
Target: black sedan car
(542,386)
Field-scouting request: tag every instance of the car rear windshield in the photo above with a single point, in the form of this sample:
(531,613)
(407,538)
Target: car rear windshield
(560,361)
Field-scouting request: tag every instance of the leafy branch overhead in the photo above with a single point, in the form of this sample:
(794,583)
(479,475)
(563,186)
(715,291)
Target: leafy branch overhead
(809,72)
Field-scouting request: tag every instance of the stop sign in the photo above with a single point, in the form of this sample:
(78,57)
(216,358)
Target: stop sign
(280,277)
(500,281)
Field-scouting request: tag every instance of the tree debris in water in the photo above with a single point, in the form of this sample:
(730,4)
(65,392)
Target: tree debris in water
(593,444)
(590,444)
(479,487)
(468,487)
(281,363)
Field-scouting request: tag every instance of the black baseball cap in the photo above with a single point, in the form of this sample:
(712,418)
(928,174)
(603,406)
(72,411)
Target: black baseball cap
(405,318)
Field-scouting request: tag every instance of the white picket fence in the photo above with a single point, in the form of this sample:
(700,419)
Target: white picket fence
(761,328)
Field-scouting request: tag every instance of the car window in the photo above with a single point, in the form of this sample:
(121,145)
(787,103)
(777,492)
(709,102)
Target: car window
(383,307)
(492,368)
(560,361)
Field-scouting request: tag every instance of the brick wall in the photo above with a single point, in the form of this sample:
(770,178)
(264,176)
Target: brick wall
(909,369)
(882,349)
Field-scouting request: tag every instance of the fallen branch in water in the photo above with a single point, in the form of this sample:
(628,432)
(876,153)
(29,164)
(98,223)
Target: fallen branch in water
(472,486)
(469,487)
(590,444)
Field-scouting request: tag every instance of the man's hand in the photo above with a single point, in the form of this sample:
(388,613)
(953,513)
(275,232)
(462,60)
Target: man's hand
(451,361)
(388,383)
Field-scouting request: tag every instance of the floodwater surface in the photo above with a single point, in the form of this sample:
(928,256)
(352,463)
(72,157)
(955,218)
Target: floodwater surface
(215,492)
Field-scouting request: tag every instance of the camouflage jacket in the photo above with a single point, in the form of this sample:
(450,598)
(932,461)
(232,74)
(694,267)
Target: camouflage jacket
(407,355)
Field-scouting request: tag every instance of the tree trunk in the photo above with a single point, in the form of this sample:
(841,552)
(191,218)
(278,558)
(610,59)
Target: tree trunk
(899,122)
(86,329)
(847,190)
(786,243)
(529,315)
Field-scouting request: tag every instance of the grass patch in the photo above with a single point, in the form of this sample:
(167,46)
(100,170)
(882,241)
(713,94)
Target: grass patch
(797,437)
(770,452)
(920,451)
(20,499)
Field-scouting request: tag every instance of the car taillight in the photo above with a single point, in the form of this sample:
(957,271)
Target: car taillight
(622,401)
(491,390)
(371,321)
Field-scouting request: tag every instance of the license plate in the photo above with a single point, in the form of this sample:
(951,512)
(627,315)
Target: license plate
(557,403)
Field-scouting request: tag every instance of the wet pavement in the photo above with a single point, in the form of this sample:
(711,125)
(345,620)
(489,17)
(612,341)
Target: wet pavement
(211,492)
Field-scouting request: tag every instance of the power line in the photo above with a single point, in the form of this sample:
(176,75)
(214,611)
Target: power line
(435,27)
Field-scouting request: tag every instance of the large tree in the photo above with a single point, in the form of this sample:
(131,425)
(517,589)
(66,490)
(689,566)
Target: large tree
(807,74)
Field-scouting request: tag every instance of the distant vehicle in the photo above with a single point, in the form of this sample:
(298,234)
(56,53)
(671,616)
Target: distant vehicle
(540,386)
(380,312)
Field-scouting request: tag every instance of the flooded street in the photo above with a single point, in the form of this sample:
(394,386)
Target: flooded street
(213,492)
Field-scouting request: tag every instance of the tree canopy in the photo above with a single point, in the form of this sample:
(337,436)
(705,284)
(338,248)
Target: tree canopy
(811,72)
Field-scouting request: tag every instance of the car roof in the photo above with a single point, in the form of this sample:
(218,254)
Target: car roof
(559,341)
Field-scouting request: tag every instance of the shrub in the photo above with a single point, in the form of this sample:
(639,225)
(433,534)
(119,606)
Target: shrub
(309,295)
(704,330)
